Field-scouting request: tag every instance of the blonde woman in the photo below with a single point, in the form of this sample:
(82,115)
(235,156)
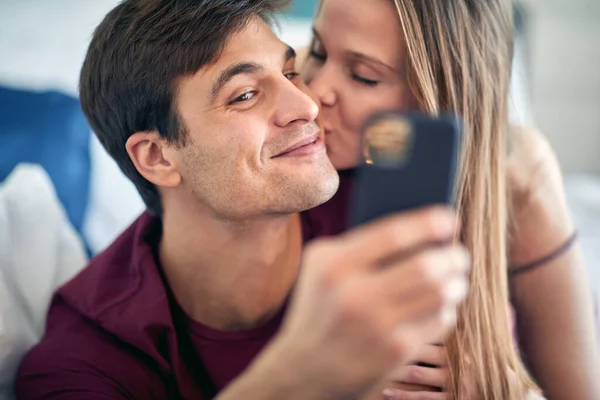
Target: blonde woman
(456,55)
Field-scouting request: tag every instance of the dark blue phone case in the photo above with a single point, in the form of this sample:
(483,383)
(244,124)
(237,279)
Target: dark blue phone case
(426,178)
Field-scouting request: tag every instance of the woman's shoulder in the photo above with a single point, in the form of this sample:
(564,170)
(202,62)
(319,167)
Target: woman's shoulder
(541,220)
(533,166)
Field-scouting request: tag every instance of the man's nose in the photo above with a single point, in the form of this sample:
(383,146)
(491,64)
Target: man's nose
(296,103)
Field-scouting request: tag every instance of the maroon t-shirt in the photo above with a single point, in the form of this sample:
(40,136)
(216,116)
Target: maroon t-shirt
(115,331)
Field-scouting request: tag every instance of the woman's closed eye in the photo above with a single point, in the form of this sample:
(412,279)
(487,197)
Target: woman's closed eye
(364,81)
(318,56)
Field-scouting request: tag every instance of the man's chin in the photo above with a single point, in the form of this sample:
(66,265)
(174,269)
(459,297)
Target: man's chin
(324,188)
(329,187)
(311,193)
(302,187)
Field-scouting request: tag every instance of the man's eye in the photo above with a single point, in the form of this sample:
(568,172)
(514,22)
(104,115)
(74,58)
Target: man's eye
(291,75)
(245,97)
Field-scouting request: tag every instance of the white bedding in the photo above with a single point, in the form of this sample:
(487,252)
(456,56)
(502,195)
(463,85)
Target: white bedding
(39,250)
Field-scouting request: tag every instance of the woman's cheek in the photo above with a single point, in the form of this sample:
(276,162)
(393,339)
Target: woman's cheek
(344,149)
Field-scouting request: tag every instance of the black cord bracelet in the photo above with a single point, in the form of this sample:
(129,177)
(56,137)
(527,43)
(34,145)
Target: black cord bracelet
(552,256)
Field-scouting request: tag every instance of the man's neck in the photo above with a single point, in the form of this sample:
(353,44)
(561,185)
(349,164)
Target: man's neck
(230,276)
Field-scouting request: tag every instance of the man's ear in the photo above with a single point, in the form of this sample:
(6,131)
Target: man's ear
(153,158)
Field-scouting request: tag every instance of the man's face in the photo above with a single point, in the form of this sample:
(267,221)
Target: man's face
(254,146)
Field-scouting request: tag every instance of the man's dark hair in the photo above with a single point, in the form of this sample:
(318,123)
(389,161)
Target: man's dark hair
(129,77)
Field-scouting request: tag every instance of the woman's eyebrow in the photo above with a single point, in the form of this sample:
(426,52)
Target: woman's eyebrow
(357,55)
(364,57)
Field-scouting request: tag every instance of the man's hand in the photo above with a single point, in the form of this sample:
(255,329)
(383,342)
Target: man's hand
(365,302)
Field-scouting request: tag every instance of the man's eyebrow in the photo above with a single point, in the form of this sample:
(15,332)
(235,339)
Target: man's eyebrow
(289,54)
(231,72)
(316,34)
(243,68)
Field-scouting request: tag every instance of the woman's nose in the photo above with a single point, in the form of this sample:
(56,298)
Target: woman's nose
(322,84)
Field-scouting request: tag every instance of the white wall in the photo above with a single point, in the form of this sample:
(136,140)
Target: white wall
(564,43)
(43,42)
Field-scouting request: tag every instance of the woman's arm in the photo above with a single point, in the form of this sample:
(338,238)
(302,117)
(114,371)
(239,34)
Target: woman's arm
(553,301)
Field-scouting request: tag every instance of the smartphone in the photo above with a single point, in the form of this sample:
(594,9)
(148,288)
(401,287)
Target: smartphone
(409,161)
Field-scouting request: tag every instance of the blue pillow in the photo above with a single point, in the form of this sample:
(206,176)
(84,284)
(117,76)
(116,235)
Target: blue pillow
(48,129)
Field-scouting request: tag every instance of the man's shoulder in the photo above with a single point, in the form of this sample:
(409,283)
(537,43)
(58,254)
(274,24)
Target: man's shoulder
(77,357)
(120,295)
(115,275)
(105,328)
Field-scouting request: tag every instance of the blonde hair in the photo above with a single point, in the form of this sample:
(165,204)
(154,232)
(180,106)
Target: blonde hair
(459,58)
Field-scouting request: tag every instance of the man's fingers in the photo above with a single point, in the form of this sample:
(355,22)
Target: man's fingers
(432,270)
(402,233)
(426,327)
(433,307)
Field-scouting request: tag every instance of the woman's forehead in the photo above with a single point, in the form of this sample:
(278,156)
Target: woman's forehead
(369,27)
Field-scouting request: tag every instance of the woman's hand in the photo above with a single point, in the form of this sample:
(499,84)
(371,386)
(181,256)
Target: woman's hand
(424,379)
(427,379)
